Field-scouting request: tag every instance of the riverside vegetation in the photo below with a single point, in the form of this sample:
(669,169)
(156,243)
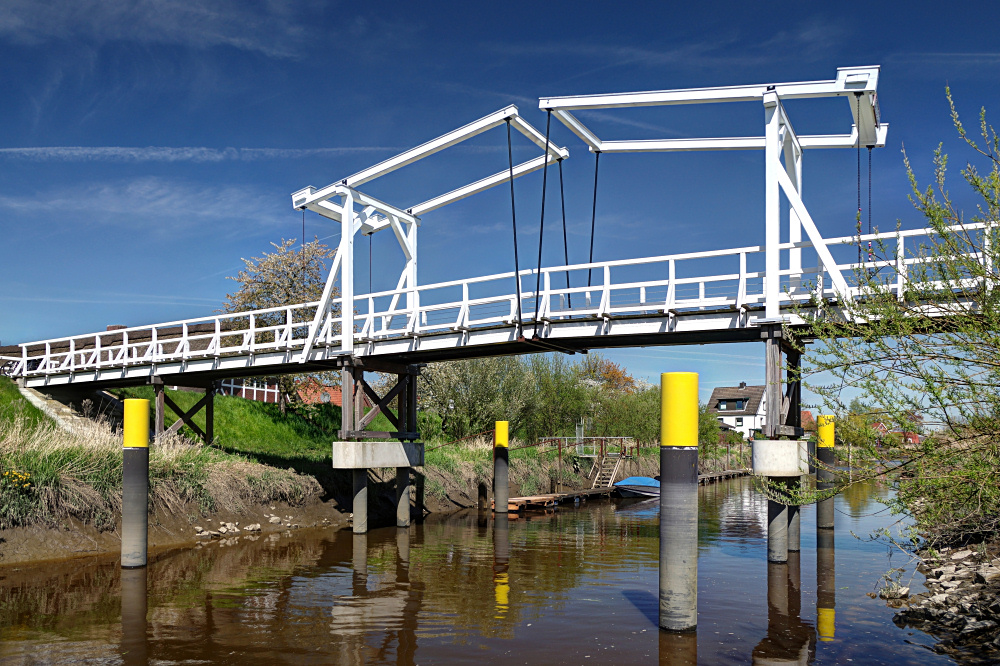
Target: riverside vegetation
(907,370)
(266,453)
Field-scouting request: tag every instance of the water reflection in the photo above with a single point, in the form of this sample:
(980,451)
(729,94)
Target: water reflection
(789,639)
(575,586)
(134,646)
(501,559)
(826,584)
(678,649)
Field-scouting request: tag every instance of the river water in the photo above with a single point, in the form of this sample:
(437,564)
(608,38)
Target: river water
(576,586)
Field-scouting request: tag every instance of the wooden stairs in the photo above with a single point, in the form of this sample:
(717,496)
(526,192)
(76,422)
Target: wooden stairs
(607,471)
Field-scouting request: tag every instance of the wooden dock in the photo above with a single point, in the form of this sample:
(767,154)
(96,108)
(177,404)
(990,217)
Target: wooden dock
(551,500)
(719,476)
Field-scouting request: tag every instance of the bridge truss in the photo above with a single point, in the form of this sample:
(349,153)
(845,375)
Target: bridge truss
(720,295)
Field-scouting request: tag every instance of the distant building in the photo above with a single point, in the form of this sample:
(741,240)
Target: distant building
(740,407)
(312,392)
(807,420)
(906,437)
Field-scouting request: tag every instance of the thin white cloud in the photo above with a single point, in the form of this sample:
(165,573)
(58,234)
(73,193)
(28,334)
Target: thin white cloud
(274,28)
(175,154)
(160,203)
(204,154)
(121,299)
(950,59)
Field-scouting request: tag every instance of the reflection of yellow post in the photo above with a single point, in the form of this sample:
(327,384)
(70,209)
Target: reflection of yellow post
(501,593)
(678,591)
(826,585)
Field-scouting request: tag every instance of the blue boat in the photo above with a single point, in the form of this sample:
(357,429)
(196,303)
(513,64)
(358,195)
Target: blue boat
(638,486)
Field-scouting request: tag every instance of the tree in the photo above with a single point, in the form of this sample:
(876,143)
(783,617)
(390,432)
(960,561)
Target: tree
(470,395)
(607,375)
(930,352)
(283,277)
(559,397)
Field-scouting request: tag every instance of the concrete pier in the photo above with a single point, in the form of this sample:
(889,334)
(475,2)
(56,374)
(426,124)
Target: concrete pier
(359,506)
(402,497)
(777,532)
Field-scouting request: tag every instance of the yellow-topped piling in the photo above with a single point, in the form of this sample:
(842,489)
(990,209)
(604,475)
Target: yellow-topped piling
(135,483)
(678,501)
(501,464)
(136,424)
(824,427)
(500,434)
(679,409)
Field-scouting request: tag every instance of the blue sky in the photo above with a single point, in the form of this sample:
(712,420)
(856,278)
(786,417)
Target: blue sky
(145,147)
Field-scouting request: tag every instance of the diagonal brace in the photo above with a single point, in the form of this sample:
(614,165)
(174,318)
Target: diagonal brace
(186,417)
(381,404)
(839,283)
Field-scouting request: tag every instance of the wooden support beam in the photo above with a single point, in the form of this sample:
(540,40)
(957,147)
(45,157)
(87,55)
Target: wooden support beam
(369,364)
(346,401)
(772,374)
(379,434)
(186,417)
(381,404)
(159,413)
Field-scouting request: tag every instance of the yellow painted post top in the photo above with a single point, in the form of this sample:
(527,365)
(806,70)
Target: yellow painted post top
(500,435)
(826,623)
(824,427)
(679,409)
(136,424)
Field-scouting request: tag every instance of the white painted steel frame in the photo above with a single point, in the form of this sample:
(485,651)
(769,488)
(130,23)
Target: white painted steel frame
(669,304)
(780,143)
(379,215)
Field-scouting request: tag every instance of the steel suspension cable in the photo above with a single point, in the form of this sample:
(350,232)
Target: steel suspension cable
(871,255)
(305,296)
(593,214)
(513,220)
(541,225)
(857,127)
(562,201)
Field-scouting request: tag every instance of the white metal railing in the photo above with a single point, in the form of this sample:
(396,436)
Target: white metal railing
(473,303)
(250,390)
(595,447)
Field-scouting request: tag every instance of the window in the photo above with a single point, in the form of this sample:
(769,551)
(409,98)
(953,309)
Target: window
(739,420)
(324,397)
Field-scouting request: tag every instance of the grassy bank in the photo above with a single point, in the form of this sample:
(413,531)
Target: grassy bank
(260,455)
(48,475)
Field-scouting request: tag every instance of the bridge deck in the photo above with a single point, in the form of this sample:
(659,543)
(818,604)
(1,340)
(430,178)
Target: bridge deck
(632,303)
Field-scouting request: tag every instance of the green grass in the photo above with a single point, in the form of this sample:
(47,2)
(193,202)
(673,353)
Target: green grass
(48,475)
(12,402)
